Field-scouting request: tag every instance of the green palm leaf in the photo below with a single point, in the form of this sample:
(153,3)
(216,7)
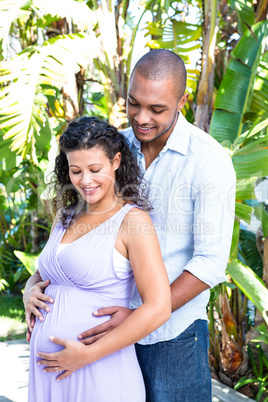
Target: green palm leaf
(181,37)
(245,189)
(243,211)
(245,14)
(235,92)
(251,285)
(27,74)
(249,253)
(259,103)
(30,261)
(175,35)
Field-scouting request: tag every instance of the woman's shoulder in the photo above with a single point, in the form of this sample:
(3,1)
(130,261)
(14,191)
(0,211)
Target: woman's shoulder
(136,217)
(56,219)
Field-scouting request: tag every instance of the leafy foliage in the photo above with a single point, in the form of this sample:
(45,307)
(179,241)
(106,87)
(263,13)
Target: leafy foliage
(237,84)
(74,58)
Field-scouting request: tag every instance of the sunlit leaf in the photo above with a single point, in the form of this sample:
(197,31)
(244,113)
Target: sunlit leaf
(243,211)
(30,261)
(245,13)
(245,189)
(73,10)
(235,238)
(36,66)
(250,284)
(10,11)
(254,164)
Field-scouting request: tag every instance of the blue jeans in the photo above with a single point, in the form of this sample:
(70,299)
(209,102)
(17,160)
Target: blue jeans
(178,370)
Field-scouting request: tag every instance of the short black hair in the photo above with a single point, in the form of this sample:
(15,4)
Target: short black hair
(161,64)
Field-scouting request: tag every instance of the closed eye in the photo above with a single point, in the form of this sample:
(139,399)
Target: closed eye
(131,103)
(157,111)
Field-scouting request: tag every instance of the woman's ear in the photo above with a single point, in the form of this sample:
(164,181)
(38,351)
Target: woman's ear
(117,161)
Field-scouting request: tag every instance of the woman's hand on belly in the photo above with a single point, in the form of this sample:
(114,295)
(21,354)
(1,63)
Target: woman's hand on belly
(72,357)
(35,299)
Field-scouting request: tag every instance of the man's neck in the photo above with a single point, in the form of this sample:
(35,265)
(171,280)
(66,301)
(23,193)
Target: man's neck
(151,150)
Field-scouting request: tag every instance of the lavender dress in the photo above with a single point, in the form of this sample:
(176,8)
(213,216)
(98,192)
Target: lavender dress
(82,280)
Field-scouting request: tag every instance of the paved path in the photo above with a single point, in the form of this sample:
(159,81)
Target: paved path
(14,358)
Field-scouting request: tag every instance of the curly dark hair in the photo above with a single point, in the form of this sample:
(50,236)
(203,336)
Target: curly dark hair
(86,133)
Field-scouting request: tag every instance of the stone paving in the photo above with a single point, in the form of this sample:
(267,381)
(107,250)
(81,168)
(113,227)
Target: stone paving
(14,358)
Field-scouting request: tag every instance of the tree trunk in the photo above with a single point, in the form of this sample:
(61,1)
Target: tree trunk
(206,83)
(261,11)
(69,89)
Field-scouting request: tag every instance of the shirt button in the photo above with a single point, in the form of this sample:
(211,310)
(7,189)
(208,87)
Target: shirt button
(196,339)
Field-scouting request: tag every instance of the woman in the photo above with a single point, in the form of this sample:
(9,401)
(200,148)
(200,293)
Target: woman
(101,241)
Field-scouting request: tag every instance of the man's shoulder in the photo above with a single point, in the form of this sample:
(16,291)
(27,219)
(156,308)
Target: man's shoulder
(208,154)
(204,143)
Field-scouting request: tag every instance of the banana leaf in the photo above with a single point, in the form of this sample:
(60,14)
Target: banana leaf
(28,74)
(250,284)
(245,14)
(248,252)
(262,215)
(30,261)
(253,164)
(236,90)
(245,189)
(235,239)
(243,211)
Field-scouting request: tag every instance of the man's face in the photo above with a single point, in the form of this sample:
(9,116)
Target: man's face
(152,107)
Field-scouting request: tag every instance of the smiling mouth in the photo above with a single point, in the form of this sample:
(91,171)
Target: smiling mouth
(89,190)
(143,129)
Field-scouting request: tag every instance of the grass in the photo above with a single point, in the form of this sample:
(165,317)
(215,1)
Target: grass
(12,318)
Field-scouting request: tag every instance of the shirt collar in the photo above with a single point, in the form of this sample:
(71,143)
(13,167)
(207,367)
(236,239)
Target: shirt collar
(136,142)
(178,140)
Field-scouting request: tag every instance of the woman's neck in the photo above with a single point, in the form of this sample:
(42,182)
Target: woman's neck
(103,206)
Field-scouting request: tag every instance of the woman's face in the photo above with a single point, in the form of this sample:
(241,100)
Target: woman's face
(92,173)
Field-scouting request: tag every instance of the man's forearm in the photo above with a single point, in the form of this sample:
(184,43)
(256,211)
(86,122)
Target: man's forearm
(185,288)
(35,278)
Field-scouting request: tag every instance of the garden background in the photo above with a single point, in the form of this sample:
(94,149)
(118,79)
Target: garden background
(65,58)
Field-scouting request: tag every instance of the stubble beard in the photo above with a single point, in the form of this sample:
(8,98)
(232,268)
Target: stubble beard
(160,134)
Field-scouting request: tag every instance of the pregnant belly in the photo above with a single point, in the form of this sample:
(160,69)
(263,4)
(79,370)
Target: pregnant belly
(70,314)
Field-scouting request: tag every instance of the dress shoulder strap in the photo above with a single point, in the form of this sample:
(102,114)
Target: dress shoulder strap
(118,218)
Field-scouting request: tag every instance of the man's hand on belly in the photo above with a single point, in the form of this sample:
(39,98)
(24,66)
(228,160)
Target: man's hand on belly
(118,315)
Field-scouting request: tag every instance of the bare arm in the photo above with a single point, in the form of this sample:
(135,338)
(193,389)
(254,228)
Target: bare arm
(185,288)
(153,286)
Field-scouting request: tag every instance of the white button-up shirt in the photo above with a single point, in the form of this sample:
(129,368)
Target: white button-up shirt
(191,186)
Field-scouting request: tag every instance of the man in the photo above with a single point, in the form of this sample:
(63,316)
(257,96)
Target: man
(191,185)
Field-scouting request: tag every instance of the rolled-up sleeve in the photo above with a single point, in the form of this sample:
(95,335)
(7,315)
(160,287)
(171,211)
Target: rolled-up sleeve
(214,205)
